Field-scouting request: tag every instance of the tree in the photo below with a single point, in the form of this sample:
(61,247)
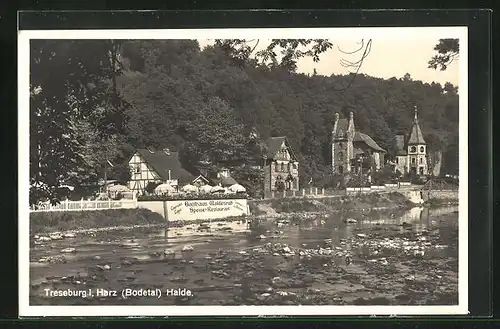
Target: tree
(216,139)
(447,51)
(72,91)
(121,172)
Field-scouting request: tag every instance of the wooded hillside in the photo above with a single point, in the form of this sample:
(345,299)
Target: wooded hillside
(212,107)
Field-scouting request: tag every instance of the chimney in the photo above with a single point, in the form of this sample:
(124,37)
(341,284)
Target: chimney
(169,174)
(351,116)
(336,116)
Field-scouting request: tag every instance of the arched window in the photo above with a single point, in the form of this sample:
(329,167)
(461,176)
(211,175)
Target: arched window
(421,149)
(341,156)
(275,166)
(413,149)
(341,169)
(341,145)
(282,166)
(420,160)
(289,167)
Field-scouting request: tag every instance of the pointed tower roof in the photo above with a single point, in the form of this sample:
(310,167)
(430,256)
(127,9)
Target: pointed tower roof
(416,136)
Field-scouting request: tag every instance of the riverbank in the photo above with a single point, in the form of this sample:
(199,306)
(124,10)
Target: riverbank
(48,222)
(119,219)
(342,203)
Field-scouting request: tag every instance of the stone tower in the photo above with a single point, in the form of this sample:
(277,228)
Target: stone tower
(417,149)
(342,143)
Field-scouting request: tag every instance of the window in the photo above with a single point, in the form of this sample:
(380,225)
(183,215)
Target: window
(282,167)
(412,160)
(341,169)
(137,168)
(341,156)
(420,160)
(413,149)
(275,166)
(421,149)
(397,160)
(340,145)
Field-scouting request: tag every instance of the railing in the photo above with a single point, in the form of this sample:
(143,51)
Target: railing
(322,192)
(85,205)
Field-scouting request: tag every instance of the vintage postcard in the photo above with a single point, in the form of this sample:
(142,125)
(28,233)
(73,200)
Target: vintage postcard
(317,171)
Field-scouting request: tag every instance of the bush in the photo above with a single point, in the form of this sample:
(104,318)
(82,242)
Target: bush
(45,222)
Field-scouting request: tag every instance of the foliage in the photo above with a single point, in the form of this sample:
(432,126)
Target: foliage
(215,106)
(384,176)
(150,187)
(75,112)
(120,172)
(447,51)
(48,222)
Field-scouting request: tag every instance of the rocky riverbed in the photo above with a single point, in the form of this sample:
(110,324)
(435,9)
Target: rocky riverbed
(351,258)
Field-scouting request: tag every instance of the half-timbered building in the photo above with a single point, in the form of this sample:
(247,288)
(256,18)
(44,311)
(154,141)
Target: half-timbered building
(148,166)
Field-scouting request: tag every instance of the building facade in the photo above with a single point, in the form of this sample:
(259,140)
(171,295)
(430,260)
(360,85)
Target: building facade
(281,166)
(348,145)
(148,166)
(411,154)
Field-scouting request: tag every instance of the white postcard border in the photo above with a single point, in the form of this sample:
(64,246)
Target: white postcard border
(24,36)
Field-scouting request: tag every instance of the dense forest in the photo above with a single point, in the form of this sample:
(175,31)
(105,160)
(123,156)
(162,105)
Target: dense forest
(94,101)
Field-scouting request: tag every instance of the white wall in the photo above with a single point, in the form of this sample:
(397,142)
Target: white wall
(188,210)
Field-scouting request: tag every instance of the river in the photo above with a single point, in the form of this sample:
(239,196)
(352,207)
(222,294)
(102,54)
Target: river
(357,258)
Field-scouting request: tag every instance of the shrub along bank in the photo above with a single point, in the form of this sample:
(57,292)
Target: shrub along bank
(46,222)
(363,201)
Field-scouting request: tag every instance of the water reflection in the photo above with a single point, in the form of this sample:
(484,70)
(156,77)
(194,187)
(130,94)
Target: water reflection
(325,230)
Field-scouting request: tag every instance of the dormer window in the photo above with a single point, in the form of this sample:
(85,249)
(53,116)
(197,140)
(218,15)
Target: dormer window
(413,149)
(422,149)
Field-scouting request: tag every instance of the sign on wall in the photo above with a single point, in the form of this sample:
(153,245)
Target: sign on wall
(205,209)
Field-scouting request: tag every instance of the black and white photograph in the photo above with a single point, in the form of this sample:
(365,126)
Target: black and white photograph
(308,171)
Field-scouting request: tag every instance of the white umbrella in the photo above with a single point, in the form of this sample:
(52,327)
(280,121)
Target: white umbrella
(237,188)
(216,189)
(164,188)
(189,188)
(205,189)
(118,188)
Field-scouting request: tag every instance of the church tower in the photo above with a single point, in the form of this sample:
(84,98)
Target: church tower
(417,149)
(342,144)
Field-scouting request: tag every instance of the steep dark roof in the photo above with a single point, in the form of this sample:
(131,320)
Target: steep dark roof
(400,145)
(360,137)
(274,145)
(416,136)
(342,126)
(161,163)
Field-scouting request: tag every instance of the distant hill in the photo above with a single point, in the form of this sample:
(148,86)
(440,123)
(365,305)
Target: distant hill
(171,84)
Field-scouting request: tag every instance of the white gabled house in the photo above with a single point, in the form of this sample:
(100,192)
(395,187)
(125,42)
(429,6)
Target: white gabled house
(162,166)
